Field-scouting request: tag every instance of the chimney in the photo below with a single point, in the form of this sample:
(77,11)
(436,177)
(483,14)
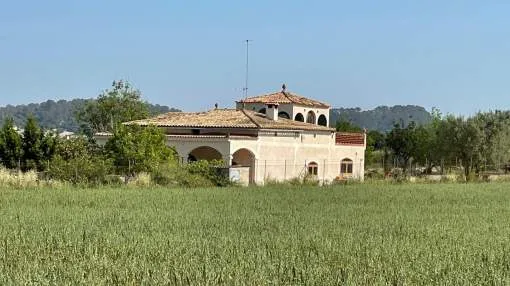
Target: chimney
(272,111)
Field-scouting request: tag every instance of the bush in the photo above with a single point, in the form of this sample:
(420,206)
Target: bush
(195,174)
(209,170)
(81,171)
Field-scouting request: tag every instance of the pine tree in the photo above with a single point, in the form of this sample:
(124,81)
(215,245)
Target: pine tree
(10,145)
(31,144)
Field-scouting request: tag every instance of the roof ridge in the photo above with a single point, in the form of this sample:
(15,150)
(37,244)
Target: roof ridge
(287,95)
(251,119)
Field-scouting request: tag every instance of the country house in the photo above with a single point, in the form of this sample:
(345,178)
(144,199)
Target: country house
(277,136)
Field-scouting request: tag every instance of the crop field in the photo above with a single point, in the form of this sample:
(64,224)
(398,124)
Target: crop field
(354,235)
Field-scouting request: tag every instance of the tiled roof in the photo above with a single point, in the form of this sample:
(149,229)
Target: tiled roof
(225,118)
(285,97)
(345,138)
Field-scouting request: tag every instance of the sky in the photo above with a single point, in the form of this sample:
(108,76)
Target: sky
(453,55)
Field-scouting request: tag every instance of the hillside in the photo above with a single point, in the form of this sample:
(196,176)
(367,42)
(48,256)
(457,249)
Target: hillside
(381,118)
(56,114)
(60,114)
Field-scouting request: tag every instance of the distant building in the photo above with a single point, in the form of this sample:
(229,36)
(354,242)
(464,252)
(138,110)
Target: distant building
(278,136)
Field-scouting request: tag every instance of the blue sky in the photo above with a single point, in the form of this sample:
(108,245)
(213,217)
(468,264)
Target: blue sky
(453,55)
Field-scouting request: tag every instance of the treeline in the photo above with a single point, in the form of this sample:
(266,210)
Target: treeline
(131,155)
(59,115)
(470,145)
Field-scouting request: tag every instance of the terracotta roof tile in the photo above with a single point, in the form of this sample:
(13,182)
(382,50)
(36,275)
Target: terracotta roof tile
(285,97)
(345,138)
(225,118)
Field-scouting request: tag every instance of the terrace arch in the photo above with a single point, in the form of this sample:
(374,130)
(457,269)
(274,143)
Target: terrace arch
(245,158)
(204,153)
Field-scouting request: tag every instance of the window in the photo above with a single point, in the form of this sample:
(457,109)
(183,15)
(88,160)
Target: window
(299,117)
(322,120)
(313,168)
(346,167)
(310,118)
(263,110)
(283,114)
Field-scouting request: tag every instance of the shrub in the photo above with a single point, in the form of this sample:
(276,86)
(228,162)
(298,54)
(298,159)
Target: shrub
(141,180)
(81,171)
(209,170)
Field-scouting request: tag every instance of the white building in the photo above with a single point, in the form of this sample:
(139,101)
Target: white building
(259,141)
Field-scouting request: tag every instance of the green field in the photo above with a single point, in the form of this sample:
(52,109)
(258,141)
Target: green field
(358,234)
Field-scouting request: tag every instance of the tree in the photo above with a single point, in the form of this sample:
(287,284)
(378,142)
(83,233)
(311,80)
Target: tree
(376,139)
(344,125)
(10,145)
(461,139)
(135,149)
(31,144)
(403,142)
(119,104)
(79,161)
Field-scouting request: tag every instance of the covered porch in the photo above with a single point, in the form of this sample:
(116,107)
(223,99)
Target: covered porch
(239,161)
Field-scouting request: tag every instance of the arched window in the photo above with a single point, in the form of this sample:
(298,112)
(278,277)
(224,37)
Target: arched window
(322,120)
(299,117)
(313,169)
(346,167)
(283,114)
(263,110)
(310,117)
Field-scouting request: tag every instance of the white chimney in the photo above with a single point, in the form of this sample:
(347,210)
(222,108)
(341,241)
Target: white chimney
(272,111)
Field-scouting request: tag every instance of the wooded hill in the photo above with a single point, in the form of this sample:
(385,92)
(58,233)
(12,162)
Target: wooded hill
(381,118)
(58,115)
(61,114)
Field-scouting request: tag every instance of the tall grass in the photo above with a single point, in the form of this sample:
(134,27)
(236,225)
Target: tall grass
(354,234)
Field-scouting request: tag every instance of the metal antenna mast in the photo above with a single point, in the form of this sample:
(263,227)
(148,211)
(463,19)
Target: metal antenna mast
(245,89)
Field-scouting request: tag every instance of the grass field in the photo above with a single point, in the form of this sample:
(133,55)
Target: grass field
(359,234)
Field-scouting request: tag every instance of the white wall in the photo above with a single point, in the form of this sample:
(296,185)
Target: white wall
(286,155)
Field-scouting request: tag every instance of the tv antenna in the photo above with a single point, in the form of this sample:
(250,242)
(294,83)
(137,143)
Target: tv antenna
(245,89)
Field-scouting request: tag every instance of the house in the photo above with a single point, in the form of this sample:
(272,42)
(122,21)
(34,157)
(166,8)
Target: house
(277,136)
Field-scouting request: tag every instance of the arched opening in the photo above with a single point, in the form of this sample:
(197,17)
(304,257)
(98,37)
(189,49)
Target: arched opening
(322,120)
(245,158)
(262,110)
(283,114)
(313,169)
(310,117)
(299,117)
(346,167)
(204,153)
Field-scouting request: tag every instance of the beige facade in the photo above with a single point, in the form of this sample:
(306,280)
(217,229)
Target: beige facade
(277,137)
(276,155)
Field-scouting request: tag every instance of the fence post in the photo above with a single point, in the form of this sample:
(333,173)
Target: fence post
(324,172)
(285,170)
(265,170)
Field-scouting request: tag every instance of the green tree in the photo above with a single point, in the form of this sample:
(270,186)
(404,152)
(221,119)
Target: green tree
(31,144)
(344,125)
(119,104)
(403,142)
(461,139)
(10,145)
(376,139)
(135,149)
(80,161)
